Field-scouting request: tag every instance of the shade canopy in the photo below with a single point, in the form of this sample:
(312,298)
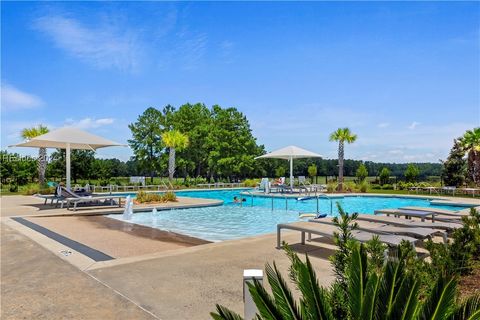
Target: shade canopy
(290,153)
(76,138)
(68,138)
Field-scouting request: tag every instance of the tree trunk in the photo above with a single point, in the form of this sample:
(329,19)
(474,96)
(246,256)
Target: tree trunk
(42,165)
(475,167)
(171,163)
(340,165)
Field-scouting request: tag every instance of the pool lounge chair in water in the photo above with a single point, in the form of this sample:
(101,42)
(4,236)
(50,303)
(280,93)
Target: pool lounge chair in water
(449,226)
(327,231)
(383,228)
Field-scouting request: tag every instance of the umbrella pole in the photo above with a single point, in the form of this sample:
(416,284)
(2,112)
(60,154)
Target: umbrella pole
(67,160)
(291,172)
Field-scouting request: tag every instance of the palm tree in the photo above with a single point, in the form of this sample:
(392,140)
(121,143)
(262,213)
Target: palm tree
(470,142)
(29,133)
(391,293)
(342,135)
(174,140)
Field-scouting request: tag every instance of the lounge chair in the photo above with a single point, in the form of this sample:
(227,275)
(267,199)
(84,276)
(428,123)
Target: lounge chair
(46,197)
(283,188)
(383,228)
(441,212)
(327,231)
(449,226)
(407,213)
(71,197)
(52,197)
(422,214)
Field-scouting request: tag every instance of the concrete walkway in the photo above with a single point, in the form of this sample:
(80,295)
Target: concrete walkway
(188,283)
(35,284)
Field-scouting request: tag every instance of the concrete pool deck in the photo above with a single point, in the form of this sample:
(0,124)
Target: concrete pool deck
(17,205)
(182,282)
(165,280)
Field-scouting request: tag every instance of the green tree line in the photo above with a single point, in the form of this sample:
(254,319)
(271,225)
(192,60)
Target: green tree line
(21,170)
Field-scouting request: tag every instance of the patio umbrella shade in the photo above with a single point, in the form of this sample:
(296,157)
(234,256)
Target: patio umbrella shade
(290,153)
(69,138)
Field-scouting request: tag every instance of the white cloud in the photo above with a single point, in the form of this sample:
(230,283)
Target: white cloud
(413,125)
(395,152)
(106,46)
(383,125)
(15,99)
(192,49)
(226,51)
(87,123)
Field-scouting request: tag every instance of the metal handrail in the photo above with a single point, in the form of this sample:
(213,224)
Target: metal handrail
(329,198)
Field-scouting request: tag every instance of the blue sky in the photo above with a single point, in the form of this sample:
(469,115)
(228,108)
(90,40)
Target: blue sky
(404,76)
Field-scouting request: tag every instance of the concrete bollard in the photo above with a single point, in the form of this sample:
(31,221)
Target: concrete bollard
(250,309)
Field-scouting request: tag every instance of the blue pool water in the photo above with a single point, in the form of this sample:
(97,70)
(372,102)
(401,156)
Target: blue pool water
(233,221)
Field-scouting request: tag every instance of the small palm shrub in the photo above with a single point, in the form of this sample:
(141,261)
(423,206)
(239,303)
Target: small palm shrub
(363,186)
(391,293)
(349,186)
(144,197)
(169,196)
(331,187)
(251,182)
(35,188)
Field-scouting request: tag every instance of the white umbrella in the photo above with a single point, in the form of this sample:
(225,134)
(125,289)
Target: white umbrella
(290,153)
(68,138)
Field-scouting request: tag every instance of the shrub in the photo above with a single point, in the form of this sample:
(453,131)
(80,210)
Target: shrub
(169,196)
(331,187)
(251,182)
(375,249)
(376,187)
(13,188)
(349,186)
(387,187)
(363,186)
(144,197)
(362,173)
(384,176)
(422,184)
(411,173)
(312,170)
(35,188)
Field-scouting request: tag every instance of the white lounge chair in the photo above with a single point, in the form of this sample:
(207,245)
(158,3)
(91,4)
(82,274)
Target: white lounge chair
(384,228)
(327,231)
(449,226)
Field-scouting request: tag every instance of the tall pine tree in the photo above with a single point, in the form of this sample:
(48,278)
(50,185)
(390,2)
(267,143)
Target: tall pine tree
(455,167)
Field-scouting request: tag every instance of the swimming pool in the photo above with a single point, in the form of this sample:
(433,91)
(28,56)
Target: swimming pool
(234,221)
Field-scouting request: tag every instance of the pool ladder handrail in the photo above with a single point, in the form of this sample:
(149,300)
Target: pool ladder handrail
(324,196)
(251,196)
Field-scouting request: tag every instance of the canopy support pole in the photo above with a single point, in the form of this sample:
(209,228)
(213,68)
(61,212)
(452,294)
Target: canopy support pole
(67,160)
(291,172)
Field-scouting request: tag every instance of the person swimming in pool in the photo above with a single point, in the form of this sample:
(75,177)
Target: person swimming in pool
(238,200)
